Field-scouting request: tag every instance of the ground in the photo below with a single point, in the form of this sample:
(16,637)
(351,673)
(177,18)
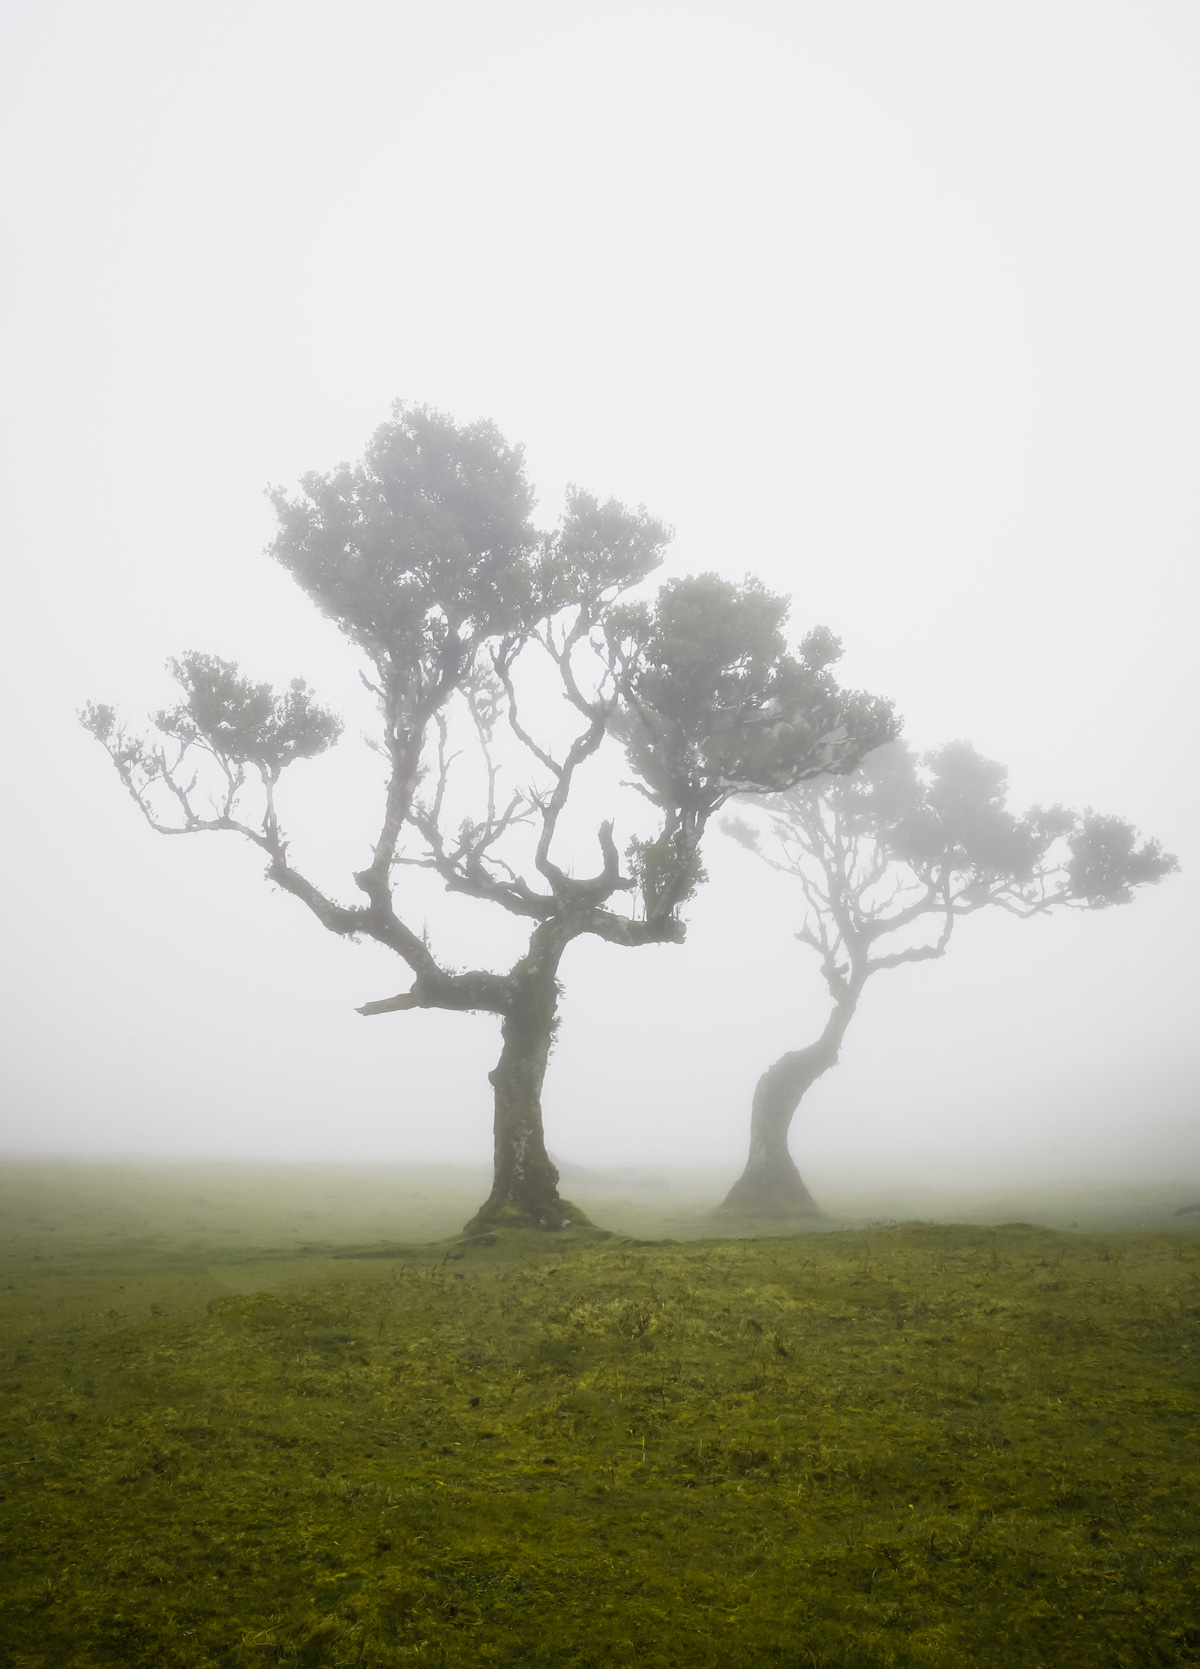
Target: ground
(921,1443)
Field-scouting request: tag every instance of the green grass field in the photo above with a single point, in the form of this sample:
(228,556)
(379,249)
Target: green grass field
(917,1444)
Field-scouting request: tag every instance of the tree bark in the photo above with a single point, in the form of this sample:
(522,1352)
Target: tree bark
(771,1185)
(525,1179)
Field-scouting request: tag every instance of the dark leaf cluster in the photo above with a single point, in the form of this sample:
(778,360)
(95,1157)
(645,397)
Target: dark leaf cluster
(244,723)
(422,550)
(715,705)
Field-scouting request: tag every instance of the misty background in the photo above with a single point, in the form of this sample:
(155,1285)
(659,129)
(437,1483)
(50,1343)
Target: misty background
(892,305)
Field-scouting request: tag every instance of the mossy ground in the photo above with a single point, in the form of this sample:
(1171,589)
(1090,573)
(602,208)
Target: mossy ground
(914,1445)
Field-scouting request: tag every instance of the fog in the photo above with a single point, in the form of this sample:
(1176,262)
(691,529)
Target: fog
(894,306)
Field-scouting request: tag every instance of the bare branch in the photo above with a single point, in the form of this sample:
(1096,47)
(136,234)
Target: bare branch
(562,657)
(503,667)
(582,748)
(389,1005)
(623,930)
(464,993)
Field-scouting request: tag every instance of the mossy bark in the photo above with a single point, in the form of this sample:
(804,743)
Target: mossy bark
(525,1178)
(770,1184)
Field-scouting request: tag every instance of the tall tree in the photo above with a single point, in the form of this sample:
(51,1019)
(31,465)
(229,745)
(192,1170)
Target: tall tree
(425,557)
(893,855)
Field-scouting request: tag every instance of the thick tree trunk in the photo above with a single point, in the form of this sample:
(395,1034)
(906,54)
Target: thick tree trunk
(525,1179)
(771,1185)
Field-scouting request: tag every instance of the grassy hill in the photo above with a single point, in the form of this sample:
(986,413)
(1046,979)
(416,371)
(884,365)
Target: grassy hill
(922,1444)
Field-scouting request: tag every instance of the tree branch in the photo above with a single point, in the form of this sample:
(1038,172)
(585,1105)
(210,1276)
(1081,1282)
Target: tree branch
(502,663)
(464,993)
(582,748)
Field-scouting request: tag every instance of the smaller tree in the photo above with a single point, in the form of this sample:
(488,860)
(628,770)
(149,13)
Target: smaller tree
(901,846)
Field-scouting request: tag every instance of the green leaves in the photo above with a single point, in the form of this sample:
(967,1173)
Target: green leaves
(905,836)
(230,723)
(667,872)
(1106,864)
(712,704)
(715,705)
(244,723)
(958,822)
(600,551)
(128,753)
(960,826)
(423,550)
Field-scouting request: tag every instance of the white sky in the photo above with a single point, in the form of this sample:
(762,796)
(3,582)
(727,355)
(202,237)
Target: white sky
(892,303)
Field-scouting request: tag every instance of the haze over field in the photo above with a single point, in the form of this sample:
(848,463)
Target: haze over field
(892,306)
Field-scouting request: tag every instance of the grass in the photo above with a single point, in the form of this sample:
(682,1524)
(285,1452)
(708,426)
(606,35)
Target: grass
(922,1444)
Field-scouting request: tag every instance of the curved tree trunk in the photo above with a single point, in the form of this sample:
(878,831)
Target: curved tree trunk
(770,1183)
(525,1179)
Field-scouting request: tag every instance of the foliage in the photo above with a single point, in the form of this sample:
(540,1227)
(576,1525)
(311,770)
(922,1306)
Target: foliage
(425,557)
(423,551)
(714,705)
(903,839)
(1106,863)
(917,1445)
(231,723)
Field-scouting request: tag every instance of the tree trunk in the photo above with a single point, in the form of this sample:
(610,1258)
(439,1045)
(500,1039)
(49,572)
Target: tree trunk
(771,1185)
(525,1179)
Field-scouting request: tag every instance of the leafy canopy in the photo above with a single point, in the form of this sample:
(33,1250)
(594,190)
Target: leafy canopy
(907,837)
(423,549)
(714,705)
(425,556)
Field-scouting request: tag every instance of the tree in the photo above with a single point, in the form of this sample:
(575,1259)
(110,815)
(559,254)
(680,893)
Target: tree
(425,557)
(899,846)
